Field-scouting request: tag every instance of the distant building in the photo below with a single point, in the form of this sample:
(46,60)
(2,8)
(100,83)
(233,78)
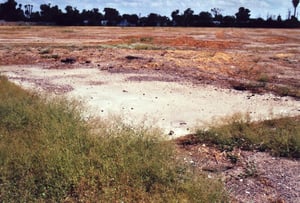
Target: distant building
(125,23)
(104,22)
(216,22)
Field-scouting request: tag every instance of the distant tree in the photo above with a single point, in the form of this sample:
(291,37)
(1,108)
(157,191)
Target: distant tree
(175,17)
(91,17)
(279,19)
(112,16)
(216,12)
(204,19)
(28,10)
(188,17)
(71,17)
(295,4)
(243,15)
(259,22)
(228,21)
(152,20)
(10,12)
(143,21)
(132,19)
(51,14)
(35,17)
(20,13)
(164,21)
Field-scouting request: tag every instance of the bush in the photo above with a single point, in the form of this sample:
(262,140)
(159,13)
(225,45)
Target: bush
(49,154)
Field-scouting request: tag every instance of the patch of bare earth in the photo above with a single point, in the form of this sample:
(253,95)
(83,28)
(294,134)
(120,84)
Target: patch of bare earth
(248,176)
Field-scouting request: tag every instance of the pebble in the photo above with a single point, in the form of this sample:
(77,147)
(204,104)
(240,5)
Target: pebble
(171,132)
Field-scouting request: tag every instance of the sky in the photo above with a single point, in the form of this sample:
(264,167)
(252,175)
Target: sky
(258,8)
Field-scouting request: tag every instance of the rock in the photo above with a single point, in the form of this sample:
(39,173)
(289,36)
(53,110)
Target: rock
(171,132)
(68,60)
(129,57)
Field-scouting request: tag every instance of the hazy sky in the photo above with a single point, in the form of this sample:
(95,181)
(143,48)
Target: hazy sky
(258,8)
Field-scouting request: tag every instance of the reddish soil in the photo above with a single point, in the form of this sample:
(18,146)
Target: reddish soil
(245,59)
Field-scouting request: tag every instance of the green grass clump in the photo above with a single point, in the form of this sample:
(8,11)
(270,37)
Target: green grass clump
(280,137)
(48,153)
(42,146)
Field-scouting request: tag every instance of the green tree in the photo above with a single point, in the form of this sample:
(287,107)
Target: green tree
(10,12)
(112,16)
(243,15)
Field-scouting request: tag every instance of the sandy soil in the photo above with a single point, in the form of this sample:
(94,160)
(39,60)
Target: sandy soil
(152,99)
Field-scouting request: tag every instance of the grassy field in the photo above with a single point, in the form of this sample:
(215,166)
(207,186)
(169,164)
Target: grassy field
(49,154)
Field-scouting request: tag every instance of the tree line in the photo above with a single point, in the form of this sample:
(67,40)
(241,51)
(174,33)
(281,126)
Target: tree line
(71,16)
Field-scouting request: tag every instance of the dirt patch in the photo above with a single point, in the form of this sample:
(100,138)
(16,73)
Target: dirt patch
(263,60)
(154,98)
(248,176)
(180,42)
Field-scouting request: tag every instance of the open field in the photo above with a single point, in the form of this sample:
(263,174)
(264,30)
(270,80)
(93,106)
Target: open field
(246,59)
(177,79)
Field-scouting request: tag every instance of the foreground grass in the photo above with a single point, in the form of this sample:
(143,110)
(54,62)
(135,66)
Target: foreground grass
(49,154)
(280,137)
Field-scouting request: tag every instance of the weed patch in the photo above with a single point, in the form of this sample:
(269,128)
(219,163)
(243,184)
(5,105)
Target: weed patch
(280,137)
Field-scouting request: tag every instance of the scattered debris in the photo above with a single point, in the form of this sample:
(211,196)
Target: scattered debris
(130,57)
(68,60)
(171,132)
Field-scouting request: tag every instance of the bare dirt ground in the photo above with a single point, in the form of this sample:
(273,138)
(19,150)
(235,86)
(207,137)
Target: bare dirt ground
(175,79)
